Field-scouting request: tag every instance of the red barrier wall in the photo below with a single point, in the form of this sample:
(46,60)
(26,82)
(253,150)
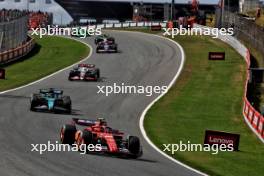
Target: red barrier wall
(254,119)
(14,54)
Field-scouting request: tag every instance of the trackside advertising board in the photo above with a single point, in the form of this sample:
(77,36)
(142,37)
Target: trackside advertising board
(156,27)
(2,73)
(218,137)
(216,56)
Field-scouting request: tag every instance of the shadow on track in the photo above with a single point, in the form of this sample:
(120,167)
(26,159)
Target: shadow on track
(14,96)
(121,157)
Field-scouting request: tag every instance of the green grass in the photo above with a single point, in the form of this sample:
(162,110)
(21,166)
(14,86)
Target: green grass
(208,95)
(50,55)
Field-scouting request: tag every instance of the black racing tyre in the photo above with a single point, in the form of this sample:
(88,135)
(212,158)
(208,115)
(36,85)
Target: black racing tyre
(116,49)
(134,145)
(67,103)
(34,96)
(36,100)
(87,136)
(66,100)
(58,103)
(32,105)
(67,134)
(98,73)
(96,77)
(33,102)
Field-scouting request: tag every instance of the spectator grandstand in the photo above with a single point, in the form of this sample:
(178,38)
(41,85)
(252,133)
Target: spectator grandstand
(39,18)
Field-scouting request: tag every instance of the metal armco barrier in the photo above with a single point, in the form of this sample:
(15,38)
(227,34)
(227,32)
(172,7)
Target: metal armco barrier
(2,73)
(15,54)
(13,33)
(252,117)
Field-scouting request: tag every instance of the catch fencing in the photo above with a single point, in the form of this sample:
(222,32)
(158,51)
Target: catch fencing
(13,33)
(14,40)
(245,30)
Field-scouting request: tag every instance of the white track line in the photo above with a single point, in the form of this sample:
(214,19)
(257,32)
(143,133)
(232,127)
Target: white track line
(142,117)
(46,77)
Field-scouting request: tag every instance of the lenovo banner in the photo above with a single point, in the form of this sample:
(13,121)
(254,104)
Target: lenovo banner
(216,56)
(218,137)
(156,27)
(2,73)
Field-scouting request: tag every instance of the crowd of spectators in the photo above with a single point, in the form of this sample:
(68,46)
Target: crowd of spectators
(39,19)
(35,19)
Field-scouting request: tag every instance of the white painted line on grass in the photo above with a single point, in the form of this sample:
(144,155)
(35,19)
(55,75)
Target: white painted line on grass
(142,117)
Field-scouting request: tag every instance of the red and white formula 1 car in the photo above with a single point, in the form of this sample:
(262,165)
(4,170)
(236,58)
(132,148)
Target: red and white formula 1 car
(86,72)
(97,132)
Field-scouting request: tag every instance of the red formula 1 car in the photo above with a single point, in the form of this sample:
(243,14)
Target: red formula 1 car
(86,72)
(97,132)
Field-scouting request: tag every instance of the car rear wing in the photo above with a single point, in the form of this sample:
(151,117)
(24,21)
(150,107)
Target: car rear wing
(86,65)
(83,122)
(51,90)
(103,36)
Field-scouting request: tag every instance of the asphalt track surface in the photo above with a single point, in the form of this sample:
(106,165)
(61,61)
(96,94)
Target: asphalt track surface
(142,60)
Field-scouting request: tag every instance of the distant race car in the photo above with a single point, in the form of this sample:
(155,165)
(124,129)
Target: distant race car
(97,132)
(50,100)
(104,38)
(106,47)
(86,72)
